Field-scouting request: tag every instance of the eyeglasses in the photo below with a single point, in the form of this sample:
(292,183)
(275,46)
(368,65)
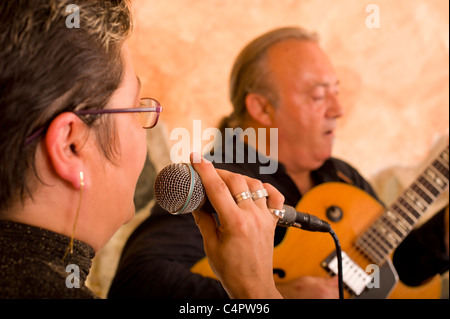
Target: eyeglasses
(147,112)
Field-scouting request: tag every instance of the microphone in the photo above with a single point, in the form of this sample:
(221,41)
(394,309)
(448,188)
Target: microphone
(303,221)
(179,190)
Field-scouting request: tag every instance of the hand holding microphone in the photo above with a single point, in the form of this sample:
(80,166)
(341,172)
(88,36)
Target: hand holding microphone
(179,190)
(240,249)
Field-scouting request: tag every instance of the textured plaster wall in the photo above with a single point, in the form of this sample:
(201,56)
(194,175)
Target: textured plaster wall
(394,79)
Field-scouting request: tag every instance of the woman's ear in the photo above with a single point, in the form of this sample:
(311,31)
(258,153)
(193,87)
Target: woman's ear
(63,141)
(259,109)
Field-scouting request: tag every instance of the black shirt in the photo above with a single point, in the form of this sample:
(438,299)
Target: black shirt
(32,265)
(157,258)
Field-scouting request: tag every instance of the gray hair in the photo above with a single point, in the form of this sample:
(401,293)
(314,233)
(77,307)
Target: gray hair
(250,73)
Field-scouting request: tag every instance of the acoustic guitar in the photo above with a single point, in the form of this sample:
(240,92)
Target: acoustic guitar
(368,234)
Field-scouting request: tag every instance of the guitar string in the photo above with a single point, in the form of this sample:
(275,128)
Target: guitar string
(419,201)
(360,255)
(372,232)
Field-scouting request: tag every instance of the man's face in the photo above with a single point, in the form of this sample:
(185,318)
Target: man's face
(308,103)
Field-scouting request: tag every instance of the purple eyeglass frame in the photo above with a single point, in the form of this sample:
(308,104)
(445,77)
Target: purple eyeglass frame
(157,109)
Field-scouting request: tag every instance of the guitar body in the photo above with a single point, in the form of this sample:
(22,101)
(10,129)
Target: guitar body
(303,253)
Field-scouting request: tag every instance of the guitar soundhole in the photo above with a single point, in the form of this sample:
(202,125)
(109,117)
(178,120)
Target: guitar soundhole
(280,272)
(334,213)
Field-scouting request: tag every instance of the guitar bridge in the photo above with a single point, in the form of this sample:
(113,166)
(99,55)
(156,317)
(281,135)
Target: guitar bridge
(354,277)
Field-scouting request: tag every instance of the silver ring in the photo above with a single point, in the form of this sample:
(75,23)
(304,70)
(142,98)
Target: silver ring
(277,212)
(260,193)
(242,196)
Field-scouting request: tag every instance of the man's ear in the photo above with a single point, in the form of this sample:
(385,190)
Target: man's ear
(65,137)
(259,108)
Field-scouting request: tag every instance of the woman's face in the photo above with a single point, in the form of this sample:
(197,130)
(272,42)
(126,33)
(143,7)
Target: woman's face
(112,188)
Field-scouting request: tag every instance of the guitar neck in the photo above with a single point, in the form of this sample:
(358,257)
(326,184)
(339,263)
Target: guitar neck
(398,220)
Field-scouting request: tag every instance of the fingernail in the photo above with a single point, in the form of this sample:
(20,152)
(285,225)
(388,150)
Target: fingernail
(196,157)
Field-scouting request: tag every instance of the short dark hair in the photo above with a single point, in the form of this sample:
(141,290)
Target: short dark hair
(47,68)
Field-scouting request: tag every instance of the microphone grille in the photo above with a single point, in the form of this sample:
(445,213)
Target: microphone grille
(179,189)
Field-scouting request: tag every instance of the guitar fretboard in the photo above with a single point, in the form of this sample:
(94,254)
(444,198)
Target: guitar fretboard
(398,220)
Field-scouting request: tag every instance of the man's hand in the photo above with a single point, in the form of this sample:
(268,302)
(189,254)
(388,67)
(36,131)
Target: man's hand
(310,288)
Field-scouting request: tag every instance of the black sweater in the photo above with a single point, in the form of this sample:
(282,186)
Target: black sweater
(31,264)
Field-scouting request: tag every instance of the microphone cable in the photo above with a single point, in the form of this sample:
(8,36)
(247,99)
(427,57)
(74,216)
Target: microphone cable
(339,262)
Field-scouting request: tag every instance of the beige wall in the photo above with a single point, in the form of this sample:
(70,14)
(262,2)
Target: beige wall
(395,85)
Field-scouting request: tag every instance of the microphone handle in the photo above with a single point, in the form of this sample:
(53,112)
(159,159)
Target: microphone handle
(303,220)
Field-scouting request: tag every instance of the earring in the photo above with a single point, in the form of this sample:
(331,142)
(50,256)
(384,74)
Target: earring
(70,247)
